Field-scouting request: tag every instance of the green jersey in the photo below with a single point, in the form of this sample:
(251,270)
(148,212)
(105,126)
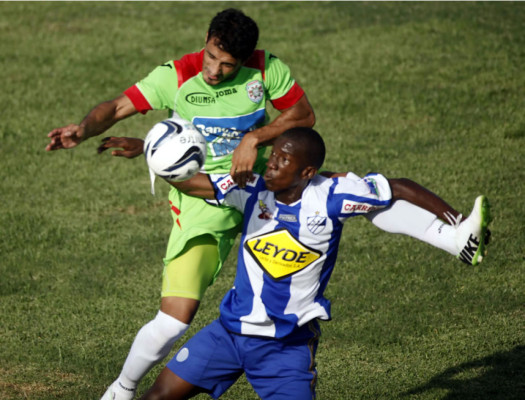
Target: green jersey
(223,113)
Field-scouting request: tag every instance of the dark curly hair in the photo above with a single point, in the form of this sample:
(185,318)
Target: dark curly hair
(237,33)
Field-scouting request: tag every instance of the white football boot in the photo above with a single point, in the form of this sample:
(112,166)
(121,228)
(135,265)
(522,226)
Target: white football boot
(472,234)
(116,391)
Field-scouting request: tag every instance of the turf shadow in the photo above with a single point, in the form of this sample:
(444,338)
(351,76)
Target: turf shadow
(495,377)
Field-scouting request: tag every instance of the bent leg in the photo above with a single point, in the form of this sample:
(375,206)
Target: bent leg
(408,219)
(172,387)
(188,276)
(152,343)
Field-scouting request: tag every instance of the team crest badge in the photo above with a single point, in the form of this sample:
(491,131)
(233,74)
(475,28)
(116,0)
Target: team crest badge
(265,211)
(255,91)
(316,224)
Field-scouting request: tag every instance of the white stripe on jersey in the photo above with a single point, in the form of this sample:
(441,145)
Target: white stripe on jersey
(257,322)
(288,252)
(305,284)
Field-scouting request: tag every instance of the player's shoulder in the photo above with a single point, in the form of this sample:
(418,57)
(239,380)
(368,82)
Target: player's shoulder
(340,184)
(189,65)
(262,60)
(178,71)
(325,181)
(257,60)
(320,184)
(319,180)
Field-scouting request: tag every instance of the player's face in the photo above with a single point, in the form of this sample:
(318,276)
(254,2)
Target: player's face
(218,65)
(286,171)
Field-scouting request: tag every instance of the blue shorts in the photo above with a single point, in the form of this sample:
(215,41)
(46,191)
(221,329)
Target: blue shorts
(277,369)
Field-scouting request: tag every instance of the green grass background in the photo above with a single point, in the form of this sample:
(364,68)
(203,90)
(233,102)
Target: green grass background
(430,91)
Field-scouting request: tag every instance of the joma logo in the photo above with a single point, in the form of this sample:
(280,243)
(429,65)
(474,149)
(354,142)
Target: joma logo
(226,92)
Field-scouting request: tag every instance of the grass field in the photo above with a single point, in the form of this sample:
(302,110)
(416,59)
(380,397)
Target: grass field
(430,91)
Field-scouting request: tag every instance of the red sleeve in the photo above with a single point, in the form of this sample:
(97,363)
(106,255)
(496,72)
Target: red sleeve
(188,66)
(289,99)
(138,100)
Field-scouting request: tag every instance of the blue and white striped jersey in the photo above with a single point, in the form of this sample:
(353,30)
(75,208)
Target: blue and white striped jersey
(288,252)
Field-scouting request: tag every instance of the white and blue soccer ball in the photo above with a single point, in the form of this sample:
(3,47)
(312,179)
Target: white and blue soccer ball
(175,149)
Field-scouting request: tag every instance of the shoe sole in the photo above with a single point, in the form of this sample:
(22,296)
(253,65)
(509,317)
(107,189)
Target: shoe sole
(486,218)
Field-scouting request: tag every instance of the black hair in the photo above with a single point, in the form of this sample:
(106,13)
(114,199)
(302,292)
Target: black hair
(311,142)
(237,33)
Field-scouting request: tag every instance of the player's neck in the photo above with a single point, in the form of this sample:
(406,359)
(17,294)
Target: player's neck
(292,194)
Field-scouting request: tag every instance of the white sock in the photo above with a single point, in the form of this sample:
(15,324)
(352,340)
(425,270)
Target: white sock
(152,343)
(408,219)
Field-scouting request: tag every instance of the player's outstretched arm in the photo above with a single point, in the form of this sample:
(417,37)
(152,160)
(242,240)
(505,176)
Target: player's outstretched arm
(98,120)
(412,192)
(131,147)
(244,156)
(406,189)
(197,186)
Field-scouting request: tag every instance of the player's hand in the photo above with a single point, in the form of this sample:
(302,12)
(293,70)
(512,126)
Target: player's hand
(243,160)
(66,137)
(131,147)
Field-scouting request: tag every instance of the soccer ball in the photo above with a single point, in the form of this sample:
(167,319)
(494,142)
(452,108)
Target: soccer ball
(175,149)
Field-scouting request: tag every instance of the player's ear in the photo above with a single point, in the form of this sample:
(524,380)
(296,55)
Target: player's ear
(309,172)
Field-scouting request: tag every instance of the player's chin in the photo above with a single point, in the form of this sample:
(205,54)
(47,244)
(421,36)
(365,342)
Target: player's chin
(270,184)
(212,82)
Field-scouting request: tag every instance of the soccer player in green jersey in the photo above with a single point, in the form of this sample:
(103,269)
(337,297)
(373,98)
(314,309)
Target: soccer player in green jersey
(223,89)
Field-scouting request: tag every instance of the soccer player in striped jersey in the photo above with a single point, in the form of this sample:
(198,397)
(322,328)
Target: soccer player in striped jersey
(293,219)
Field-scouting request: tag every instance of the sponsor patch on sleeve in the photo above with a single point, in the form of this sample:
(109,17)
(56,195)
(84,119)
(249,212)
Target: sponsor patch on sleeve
(225,184)
(372,184)
(353,207)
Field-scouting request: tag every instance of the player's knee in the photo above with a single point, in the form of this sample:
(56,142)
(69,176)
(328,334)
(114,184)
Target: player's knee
(180,308)
(162,388)
(157,392)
